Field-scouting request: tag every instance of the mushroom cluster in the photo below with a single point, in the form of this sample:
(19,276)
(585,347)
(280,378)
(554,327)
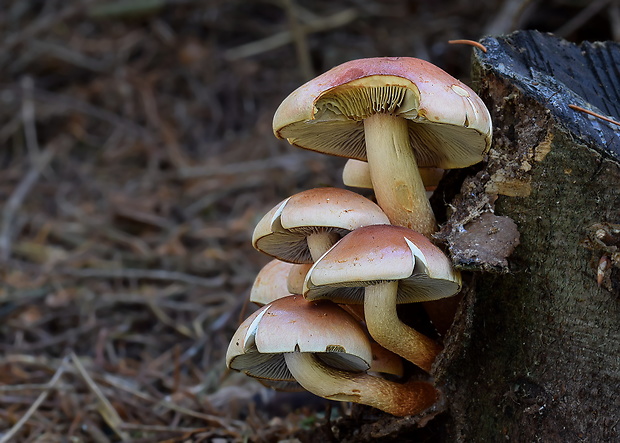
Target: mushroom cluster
(327,320)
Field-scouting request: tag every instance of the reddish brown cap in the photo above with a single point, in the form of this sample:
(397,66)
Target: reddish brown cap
(283,231)
(381,253)
(449,125)
(293,324)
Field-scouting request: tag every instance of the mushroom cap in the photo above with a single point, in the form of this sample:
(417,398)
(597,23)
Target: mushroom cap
(449,125)
(295,280)
(356,173)
(271,282)
(282,232)
(293,324)
(380,253)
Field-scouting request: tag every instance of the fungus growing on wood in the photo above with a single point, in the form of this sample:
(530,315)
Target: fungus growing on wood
(381,266)
(397,113)
(325,350)
(278,279)
(302,227)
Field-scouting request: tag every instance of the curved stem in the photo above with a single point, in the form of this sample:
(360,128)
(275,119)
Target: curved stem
(320,242)
(387,329)
(334,384)
(384,361)
(394,174)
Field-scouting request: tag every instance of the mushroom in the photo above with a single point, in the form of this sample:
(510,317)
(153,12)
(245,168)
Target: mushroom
(356,174)
(381,266)
(397,113)
(302,227)
(278,279)
(271,282)
(295,279)
(325,350)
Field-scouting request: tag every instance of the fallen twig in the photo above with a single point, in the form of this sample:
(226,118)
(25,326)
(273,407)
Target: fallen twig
(46,21)
(21,191)
(71,103)
(290,162)
(146,274)
(299,37)
(207,418)
(284,38)
(106,409)
(40,399)
(508,18)
(594,114)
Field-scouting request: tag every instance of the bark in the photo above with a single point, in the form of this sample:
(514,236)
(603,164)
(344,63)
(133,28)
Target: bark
(534,352)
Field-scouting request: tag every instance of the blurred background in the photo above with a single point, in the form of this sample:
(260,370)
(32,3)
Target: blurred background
(137,156)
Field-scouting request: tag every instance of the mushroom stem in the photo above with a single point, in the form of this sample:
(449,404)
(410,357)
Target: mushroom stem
(359,387)
(394,173)
(320,242)
(386,328)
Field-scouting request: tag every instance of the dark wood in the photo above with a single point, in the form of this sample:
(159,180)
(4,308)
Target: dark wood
(556,73)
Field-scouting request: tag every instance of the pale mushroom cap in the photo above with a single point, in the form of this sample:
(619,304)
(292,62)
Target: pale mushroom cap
(295,280)
(271,282)
(356,173)
(381,253)
(449,125)
(293,324)
(243,356)
(282,232)
(386,362)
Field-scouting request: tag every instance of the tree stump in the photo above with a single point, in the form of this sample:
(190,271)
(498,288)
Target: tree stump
(534,354)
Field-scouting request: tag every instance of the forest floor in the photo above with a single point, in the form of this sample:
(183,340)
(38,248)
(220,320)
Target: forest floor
(137,156)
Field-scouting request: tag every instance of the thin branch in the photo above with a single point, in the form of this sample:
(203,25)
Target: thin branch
(509,17)
(33,408)
(146,274)
(301,43)
(21,192)
(106,409)
(44,23)
(289,162)
(71,103)
(594,114)
(28,117)
(208,418)
(614,19)
(284,38)
(160,428)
